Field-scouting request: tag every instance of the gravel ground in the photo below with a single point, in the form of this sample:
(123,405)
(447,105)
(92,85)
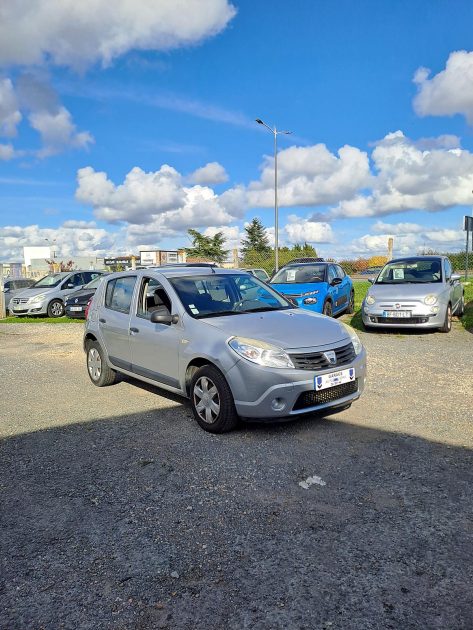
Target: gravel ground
(118,511)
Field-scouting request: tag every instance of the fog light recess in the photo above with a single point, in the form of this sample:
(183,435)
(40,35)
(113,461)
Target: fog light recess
(278,404)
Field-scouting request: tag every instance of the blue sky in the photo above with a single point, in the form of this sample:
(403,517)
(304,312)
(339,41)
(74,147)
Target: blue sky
(121,130)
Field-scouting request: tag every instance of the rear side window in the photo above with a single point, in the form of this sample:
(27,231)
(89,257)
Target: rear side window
(119,294)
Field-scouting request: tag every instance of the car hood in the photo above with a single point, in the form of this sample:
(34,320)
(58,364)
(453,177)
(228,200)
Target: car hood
(298,289)
(82,295)
(29,293)
(289,329)
(403,291)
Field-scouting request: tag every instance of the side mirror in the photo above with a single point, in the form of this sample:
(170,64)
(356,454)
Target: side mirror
(455,277)
(157,318)
(336,281)
(69,285)
(371,280)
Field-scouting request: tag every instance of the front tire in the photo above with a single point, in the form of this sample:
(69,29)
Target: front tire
(98,370)
(55,308)
(447,324)
(328,310)
(212,401)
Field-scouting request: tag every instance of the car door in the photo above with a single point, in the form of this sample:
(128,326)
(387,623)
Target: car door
(76,280)
(456,289)
(155,347)
(114,320)
(333,290)
(344,289)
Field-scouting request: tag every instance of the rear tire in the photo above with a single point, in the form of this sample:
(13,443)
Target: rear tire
(447,324)
(351,304)
(55,308)
(98,370)
(212,400)
(328,310)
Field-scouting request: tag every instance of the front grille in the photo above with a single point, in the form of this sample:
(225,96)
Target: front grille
(396,321)
(20,300)
(313,398)
(318,361)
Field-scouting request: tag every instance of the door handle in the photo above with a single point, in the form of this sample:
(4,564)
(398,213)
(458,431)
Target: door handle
(102,320)
(133,331)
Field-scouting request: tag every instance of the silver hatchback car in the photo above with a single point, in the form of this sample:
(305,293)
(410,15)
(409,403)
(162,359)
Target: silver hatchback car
(46,297)
(224,339)
(419,291)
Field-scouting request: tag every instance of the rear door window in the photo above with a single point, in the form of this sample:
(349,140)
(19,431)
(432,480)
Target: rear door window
(119,294)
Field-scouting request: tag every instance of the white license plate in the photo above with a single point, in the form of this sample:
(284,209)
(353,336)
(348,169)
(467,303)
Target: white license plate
(334,378)
(397,314)
(75,308)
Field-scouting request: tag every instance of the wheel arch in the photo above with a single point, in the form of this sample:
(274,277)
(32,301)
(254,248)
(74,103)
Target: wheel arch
(193,366)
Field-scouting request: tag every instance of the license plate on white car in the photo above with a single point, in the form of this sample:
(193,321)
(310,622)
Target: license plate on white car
(397,314)
(75,308)
(334,378)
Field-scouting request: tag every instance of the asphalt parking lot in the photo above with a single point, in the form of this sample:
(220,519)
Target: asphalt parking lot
(118,511)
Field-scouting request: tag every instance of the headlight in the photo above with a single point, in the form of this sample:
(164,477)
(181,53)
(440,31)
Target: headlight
(312,300)
(370,300)
(430,299)
(354,338)
(38,298)
(260,352)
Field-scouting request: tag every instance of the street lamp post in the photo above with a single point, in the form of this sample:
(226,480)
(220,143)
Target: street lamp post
(275,133)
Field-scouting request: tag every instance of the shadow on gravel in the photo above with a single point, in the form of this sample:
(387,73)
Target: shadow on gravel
(145,521)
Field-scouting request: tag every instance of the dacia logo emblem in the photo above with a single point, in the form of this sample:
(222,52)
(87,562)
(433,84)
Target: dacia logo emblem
(76,300)
(397,305)
(331,357)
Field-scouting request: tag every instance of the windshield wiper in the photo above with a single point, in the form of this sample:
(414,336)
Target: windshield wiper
(219,314)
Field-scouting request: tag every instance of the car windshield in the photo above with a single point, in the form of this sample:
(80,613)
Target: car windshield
(300,274)
(411,271)
(93,284)
(230,294)
(48,281)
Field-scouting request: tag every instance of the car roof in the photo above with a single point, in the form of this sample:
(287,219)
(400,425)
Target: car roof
(178,272)
(430,257)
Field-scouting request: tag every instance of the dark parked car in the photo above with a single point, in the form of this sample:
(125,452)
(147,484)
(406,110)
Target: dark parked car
(14,286)
(76,302)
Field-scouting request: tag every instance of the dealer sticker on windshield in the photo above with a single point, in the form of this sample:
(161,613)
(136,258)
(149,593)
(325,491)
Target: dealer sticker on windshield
(334,378)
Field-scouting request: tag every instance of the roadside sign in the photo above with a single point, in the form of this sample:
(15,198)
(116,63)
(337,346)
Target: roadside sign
(468,224)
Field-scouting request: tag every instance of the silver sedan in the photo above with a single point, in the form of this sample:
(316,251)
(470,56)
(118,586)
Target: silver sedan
(419,291)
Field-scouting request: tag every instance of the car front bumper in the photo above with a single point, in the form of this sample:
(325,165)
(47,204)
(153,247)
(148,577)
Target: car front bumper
(32,308)
(79,314)
(278,393)
(421,317)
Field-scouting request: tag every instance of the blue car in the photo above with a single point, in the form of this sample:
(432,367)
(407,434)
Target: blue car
(318,286)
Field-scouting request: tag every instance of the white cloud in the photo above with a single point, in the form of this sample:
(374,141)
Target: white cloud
(300,230)
(211,173)
(58,132)
(7,152)
(10,116)
(69,241)
(158,200)
(450,91)
(78,34)
(310,176)
(232,234)
(33,94)
(408,178)
(397,228)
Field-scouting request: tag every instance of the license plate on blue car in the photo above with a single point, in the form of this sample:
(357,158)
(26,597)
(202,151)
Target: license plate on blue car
(334,378)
